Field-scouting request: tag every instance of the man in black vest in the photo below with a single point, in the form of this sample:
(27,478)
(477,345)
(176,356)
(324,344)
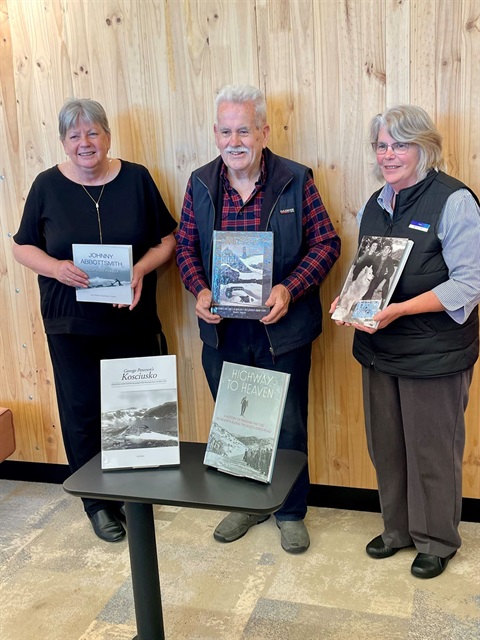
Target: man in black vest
(249,188)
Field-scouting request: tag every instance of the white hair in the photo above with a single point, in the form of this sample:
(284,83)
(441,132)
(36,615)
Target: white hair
(241,94)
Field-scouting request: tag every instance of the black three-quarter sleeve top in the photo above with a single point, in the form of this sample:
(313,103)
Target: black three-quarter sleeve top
(58,213)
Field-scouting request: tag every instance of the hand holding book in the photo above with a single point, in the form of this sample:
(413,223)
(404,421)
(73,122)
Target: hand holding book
(203,307)
(109,269)
(381,319)
(371,280)
(279,300)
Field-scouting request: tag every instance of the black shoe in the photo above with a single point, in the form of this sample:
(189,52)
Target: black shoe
(106,526)
(121,515)
(377,549)
(427,566)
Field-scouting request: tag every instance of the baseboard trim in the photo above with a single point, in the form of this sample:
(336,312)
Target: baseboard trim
(34,471)
(353,499)
(321,495)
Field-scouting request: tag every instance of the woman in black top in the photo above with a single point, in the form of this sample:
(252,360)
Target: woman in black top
(93,199)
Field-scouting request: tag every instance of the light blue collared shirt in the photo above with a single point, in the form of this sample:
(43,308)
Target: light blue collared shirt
(459,234)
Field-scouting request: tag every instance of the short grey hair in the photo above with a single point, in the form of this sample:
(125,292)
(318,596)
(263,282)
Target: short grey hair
(77,110)
(241,94)
(409,123)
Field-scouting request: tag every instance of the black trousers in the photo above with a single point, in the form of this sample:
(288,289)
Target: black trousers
(76,368)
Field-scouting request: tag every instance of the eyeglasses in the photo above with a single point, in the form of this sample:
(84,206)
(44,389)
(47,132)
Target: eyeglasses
(398,148)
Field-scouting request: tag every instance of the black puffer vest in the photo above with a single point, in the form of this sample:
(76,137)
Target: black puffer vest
(425,344)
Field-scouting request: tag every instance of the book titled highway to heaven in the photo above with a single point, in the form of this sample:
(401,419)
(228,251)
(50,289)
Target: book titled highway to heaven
(246,421)
(109,268)
(139,421)
(242,265)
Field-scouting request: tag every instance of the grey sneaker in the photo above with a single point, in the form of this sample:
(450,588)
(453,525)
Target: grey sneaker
(236,525)
(295,538)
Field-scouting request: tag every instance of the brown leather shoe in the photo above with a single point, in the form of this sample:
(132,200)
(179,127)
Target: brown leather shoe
(106,526)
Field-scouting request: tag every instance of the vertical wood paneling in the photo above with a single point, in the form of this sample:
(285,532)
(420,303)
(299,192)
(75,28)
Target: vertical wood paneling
(327,67)
(397,39)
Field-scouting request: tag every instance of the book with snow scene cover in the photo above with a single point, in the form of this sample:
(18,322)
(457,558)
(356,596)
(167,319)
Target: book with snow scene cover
(241,273)
(139,422)
(109,268)
(246,421)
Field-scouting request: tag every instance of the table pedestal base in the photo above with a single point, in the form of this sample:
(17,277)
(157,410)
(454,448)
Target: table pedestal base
(144,567)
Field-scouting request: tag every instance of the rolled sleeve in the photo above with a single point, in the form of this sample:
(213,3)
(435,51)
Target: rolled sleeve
(459,233)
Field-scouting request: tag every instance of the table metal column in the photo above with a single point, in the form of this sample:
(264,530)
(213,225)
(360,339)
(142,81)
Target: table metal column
(144,569)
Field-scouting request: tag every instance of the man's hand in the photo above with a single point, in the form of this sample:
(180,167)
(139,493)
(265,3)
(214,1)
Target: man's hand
(278,300)
(202,308)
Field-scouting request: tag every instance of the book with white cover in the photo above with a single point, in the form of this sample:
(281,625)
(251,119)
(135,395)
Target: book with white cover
(372,278)
(110,270)
(242,263)
(246,421)
(139,423)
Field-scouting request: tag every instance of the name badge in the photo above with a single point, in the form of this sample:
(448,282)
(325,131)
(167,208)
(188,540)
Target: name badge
(419,226)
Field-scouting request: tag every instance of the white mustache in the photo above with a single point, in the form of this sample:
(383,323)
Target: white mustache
(236,149)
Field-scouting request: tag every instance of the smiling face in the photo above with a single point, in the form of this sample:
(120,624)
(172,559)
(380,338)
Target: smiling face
(239,139)
(400,171)
(87,145)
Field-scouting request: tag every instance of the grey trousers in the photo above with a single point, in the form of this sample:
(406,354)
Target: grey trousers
(416,438)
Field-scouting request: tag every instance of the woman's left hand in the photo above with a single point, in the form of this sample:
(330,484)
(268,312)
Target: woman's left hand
(155,256)
(384,318)
(137,285)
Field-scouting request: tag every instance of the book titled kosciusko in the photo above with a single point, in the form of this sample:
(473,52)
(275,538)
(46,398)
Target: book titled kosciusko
(246,421)
(241,273)
(109,268)
(139,422)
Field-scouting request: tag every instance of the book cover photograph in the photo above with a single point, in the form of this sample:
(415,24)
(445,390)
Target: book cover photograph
(109,268)
(246,421)
(139,422)
(241,273)
(372,279)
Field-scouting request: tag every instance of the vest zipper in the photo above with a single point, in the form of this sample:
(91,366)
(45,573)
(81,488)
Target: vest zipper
(211,244)
(272,352)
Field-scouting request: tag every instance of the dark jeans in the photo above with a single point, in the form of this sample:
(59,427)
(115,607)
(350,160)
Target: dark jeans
(246,342)
(76,368)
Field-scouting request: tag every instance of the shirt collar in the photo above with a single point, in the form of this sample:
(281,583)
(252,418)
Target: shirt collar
(385,198)
(263,173)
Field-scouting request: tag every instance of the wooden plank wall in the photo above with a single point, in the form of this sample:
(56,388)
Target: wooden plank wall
(327,67)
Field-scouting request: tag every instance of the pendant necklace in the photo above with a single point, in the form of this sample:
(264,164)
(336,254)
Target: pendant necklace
(97,202)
